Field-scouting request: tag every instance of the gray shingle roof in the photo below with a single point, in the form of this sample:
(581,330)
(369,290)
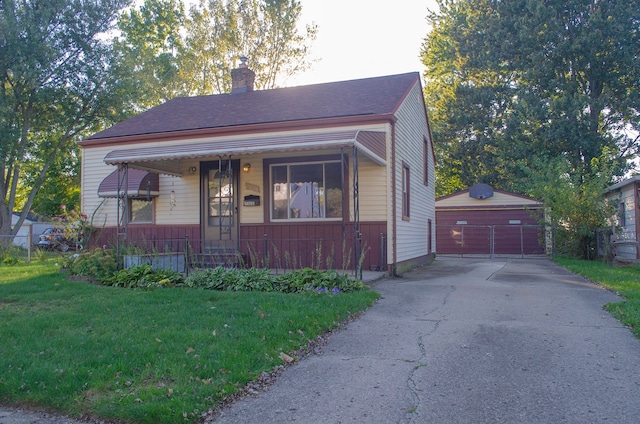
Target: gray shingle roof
(369,96)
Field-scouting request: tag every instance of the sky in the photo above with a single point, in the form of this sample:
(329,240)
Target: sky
(364,38)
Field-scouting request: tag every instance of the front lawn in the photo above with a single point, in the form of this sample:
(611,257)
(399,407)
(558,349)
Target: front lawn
(623,280)
(147,356)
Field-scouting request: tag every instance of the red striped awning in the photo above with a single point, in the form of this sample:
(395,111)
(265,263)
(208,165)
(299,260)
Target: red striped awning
(139,184)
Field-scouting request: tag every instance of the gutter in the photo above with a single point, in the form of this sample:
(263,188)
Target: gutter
(243,129)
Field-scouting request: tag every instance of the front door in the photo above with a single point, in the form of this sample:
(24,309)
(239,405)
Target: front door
(220,206)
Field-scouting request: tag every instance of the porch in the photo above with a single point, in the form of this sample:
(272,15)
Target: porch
(278,247)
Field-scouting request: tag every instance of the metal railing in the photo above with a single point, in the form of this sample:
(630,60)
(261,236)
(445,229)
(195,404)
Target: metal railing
(185,254)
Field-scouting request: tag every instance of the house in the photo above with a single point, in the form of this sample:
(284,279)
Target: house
(624,241)
(336,175)
(484,221)
(29,231)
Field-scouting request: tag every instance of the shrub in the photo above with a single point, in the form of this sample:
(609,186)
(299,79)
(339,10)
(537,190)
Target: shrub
(308,279)
(144,276)
(9,255)
(256,279)
(97,263)
(251,279)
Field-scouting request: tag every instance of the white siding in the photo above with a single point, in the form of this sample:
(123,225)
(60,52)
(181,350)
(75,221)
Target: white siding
(626,195)
(186,210)
(410,132)
(101,211)
(251,184)
(373,190)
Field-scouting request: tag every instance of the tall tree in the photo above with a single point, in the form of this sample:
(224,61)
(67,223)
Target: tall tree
(56,82)
(177,54)
(149,45)
(219,32)
(511,81)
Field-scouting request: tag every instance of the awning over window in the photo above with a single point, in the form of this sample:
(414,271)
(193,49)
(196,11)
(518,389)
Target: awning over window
(166,159)
(140,184)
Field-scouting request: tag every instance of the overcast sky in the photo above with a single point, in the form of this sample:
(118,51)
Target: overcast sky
(365,38)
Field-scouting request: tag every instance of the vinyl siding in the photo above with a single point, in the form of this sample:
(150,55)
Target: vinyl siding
(626,195)
(411,131)
(373,190)
(186,210)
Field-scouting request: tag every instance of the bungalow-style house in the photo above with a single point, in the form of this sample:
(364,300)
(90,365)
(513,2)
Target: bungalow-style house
(484,221)
(624,240)
(337,175)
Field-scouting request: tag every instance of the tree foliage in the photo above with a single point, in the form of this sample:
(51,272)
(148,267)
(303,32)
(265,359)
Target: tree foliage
(57,81)
(63,76)
(510,82)
(177,53)
(575,205)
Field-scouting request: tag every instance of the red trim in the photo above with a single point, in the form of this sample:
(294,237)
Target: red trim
(266,163)
(237,130)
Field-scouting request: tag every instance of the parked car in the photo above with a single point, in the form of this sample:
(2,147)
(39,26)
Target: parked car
(55,238)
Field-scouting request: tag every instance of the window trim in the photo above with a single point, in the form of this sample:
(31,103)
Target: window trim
(406,191)
(294,160)
(425,158)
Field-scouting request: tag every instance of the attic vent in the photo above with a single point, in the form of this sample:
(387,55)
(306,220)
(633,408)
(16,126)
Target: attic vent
(481,191)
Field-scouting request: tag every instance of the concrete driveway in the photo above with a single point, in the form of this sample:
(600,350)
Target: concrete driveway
(467,341)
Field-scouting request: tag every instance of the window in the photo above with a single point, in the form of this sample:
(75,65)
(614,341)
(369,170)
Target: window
(306,191)
(425,158)
(140,211)
(621,214)
(406,191)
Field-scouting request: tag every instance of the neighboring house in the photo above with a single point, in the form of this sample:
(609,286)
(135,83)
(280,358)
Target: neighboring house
(484,221)
(624,241)
(29,231)
(327,175)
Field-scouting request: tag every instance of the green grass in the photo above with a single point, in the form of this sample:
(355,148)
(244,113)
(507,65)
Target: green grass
(623,280)
(146,356)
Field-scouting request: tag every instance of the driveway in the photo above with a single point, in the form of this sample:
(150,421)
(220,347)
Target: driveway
(467,341)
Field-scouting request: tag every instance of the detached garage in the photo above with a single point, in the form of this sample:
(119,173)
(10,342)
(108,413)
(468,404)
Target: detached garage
(483,221)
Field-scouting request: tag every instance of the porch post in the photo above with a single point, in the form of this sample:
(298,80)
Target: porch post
(122,205)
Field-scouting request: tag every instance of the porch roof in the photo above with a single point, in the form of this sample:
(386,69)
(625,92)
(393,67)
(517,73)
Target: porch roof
(167,159)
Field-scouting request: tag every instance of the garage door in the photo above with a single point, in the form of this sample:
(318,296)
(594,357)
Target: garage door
(490,239)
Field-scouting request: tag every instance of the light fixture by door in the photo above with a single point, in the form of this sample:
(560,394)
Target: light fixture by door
(246,167)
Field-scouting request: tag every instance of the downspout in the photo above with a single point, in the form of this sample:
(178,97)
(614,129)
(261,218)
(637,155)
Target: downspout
(357,240)
(392,267)
(342,204)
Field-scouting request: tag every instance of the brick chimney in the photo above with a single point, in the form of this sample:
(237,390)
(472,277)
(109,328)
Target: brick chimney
(242,78)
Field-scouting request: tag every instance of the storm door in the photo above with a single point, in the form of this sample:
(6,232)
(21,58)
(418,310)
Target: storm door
(220,205)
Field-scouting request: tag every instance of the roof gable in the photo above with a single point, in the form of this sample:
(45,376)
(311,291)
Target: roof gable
(363,97)
(499,198)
